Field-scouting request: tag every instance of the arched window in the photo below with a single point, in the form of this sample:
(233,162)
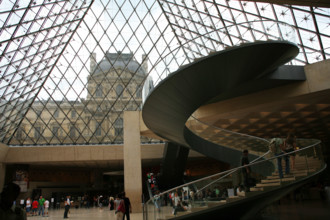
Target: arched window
(119,90)
(98,92)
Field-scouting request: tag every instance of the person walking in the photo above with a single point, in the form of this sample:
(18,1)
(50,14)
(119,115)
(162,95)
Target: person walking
(120,207)
(278,151)
(128,208)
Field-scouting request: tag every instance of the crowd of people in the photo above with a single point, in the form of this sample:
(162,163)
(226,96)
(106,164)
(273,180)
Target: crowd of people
(121,204)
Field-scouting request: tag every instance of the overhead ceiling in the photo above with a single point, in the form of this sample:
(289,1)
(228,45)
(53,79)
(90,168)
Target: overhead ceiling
(45,46)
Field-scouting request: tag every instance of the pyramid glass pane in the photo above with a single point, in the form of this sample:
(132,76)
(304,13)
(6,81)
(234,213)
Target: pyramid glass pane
(69,69)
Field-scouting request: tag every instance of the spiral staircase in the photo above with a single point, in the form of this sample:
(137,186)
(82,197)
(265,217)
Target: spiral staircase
(169,113)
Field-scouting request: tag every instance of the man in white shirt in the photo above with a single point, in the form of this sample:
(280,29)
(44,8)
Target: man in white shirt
(67,204)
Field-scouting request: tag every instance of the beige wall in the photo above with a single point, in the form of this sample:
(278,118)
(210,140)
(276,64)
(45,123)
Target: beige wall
(3,151)
(3,154)
(132,159)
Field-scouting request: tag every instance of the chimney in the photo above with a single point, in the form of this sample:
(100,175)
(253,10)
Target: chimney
(92,58)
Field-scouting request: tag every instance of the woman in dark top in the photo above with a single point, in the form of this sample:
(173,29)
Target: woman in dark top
(112,204)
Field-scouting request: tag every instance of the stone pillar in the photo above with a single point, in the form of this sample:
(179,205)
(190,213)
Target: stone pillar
(3,154)
(132,160)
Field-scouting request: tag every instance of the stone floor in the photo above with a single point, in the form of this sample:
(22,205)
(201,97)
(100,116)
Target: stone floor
(285,210)
(84,214)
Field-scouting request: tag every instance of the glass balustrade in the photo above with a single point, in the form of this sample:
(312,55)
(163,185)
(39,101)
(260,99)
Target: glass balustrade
(228,187)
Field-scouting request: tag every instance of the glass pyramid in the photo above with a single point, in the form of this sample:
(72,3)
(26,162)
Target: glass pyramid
(69,68)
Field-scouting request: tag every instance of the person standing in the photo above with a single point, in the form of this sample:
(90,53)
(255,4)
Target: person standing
(128,208)
(41,206)
(8,210)
(279,150)
(111,203)
(46,204)
(35,205)
(290,146)
(28,206)
(67,204)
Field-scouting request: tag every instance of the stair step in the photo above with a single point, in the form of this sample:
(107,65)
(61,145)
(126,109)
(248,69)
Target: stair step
(285,179)
(195,209)
(268,184)
(296,171)
(212,204)
(256,189)
(234,198)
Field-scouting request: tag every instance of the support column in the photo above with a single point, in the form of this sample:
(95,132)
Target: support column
(2,175)
(132,159)
(3,154)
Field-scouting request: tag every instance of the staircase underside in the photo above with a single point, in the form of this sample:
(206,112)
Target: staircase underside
(223,75)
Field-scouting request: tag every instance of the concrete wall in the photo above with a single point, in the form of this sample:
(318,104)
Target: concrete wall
(3,154)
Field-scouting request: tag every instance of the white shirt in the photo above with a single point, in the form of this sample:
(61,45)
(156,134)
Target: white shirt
(68,201)
(28,203)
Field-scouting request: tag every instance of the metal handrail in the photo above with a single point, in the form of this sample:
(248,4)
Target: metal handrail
(231,170)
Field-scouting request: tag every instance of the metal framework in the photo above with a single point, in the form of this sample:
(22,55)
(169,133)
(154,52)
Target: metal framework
(47,46)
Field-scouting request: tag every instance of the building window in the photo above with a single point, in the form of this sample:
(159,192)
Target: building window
(55,130)
(73,113)
(139,93)
(119,127)
(98,92)
(55,115)
(118,131)
(72,132)
(119,90)
(98,130)
(37,132)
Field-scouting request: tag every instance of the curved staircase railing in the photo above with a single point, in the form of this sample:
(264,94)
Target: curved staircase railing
(221,189)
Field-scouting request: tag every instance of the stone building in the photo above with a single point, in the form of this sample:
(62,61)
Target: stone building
(99,117)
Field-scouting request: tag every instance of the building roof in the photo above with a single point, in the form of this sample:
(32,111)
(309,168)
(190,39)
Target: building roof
(116,61)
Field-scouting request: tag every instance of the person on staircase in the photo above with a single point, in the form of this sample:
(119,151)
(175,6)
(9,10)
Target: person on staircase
(280,150)
(290,146)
